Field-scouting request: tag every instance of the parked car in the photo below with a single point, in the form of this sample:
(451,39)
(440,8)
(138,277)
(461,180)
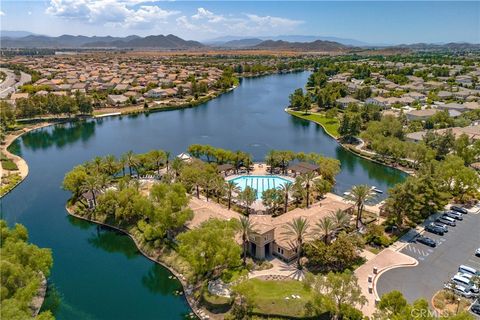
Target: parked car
(456,215)
(426,241)
(452,216)
(450,222)
(469,270)
(434,229)
(476,307)
(441,225)
(459,209)
(477,252)
(460,290)
(465,280)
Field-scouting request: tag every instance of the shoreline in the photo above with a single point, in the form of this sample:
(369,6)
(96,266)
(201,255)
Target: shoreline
(400,168)
(21,164)
(191,302)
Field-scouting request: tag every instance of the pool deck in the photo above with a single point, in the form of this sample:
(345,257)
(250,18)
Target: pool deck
(259,169)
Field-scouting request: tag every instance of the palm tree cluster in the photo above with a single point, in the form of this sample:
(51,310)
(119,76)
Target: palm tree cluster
(299,229)
(310,186)
(359,195)
(95,175)
(211,154)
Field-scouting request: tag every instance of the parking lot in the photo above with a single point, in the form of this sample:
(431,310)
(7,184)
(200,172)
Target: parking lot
(435,265)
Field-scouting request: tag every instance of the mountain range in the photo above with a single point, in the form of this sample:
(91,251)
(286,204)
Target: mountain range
(68,41)
(24,39)
(317,45)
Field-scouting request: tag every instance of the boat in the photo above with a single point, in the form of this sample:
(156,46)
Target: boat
(375,189)
(346,193)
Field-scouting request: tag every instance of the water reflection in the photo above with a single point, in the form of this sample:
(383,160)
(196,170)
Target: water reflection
(157,281)
(59,135)
(113,242)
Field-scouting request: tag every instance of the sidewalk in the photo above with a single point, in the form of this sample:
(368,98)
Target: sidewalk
(384,261)
(280,268)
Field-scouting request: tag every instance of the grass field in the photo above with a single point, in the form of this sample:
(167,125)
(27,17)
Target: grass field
(268,297)
(330,125)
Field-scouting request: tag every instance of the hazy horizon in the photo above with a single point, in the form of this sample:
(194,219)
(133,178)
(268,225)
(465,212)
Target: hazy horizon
(385,22)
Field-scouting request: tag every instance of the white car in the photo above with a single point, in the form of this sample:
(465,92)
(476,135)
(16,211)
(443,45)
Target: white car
(460,290)
(477,253)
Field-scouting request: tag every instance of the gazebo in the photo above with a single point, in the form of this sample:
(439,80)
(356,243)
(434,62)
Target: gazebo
(303,167)
(225,168)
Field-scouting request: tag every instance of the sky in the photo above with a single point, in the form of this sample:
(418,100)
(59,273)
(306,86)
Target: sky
(385,22)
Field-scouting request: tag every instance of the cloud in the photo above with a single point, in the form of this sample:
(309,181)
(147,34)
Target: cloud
(207,21)
(2,13)
(127,13)
(274,22)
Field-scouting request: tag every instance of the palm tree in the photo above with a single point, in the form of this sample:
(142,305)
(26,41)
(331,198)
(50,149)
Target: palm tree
(270,159)
(131,160)
(326,226)
(92,184)
(248,196)
(231,188)
(298,228)
(340,218)
(286,188)
(167,159)
(110,165)
(157,157)
(307,180)
(360,194)
(247,229)
(123,162)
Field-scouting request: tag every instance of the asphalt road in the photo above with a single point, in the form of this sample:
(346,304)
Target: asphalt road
(10,84)
(435,265)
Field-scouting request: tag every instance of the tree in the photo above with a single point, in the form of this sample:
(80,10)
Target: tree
(360,194)
(297,229)
(325,226)
(467,149)
(246,229)
(157,157)
(340,289)
(306,180)
(286,188)
(272,198)
(321,187)
(340,218)
(74,181)
(231,188)
(350,125)
(336,256)
(131,160)
(22,264)
(457,179)
(296,99)
(92,184)
(211,247)
(247,196)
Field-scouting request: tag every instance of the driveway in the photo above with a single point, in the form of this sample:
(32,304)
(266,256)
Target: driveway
(435,265)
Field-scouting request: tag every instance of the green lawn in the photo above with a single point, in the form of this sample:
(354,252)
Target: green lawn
(330,125)
(268,297)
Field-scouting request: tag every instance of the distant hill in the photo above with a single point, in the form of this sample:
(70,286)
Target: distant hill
(452,46)
(68,41)
(318,45)
(14,33)
(222,41)
(242,43)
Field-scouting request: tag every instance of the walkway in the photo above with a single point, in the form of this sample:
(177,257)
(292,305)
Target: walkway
(281,269)
(385,260)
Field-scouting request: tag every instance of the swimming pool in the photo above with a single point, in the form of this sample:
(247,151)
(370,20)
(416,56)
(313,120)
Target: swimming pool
(260,183)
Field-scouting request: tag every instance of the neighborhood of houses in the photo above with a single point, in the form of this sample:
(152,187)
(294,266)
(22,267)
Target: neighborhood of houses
(457,93)
(118,80)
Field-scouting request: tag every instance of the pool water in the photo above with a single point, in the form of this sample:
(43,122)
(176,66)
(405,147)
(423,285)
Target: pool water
(260,183)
